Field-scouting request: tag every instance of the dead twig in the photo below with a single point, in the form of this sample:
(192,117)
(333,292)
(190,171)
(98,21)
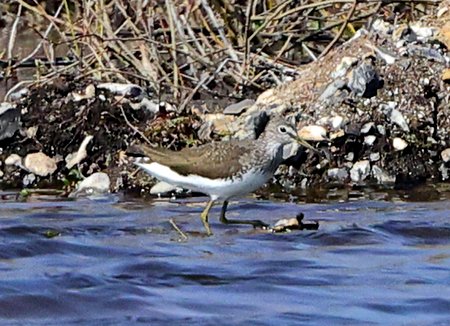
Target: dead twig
(181,233)
(341,31)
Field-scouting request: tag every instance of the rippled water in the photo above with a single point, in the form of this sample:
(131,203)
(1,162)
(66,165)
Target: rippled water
(117,260)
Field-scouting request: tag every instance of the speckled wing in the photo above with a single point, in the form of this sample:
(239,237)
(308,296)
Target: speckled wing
(214,160)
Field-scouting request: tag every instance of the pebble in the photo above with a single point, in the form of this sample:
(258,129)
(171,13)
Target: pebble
(89,92)
(313,133)
(381,129)
(238,108)
(365,129)
(350,156)
(338,174)
(161,188)
(399,144)
(13,159)
(397,117)
(373,157)
(337,122)
(96,184)
(28,179)
(360,171)
(369,140)
(445,154)
(40,164)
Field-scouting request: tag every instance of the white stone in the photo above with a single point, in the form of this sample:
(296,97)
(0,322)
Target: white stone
(360,171)
(366,127)
(445,154)
(399,144)
(339,174)
(313,133)
(337,122)
(6,106)
(88,93)
(369,140)
(76,157)
(97,183)
(381,129)
(13,159)
(397,117)
(162,188)
(40,164)
(350,156)
(373,157)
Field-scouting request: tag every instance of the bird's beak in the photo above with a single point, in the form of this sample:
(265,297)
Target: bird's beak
(305,144)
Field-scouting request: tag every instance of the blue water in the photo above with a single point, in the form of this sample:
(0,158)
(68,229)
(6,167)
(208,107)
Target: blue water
(118,261)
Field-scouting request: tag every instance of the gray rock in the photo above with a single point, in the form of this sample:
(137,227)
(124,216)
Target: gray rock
(350,156)
(396,116)
(330,91)
(444,172)
(238,108)
(162,188)
(9,120)
(365,129)
(28,180)
(382,176)
(360,171)
(364,80)
(381,129)
(338,174)
(373,157)
(96,184)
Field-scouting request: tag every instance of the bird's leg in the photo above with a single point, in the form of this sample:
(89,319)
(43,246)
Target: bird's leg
(204,216)
(224,220)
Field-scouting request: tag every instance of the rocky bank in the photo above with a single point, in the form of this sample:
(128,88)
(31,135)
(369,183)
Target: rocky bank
(376,108)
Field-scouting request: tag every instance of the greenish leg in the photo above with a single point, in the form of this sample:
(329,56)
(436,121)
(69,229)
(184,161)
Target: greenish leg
(224,220)
(204,217)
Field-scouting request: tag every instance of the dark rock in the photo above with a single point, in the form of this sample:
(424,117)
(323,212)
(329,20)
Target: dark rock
(9,120)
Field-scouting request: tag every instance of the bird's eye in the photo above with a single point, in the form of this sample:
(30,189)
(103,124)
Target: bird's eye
(282,129)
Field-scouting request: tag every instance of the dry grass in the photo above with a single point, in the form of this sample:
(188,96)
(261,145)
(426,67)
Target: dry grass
(186,47)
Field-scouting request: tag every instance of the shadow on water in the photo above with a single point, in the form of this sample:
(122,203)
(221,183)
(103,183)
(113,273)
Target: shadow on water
(379,257)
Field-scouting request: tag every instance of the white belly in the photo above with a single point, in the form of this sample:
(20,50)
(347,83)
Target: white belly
(217,189)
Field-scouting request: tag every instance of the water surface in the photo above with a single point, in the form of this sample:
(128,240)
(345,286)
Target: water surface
(118,260)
